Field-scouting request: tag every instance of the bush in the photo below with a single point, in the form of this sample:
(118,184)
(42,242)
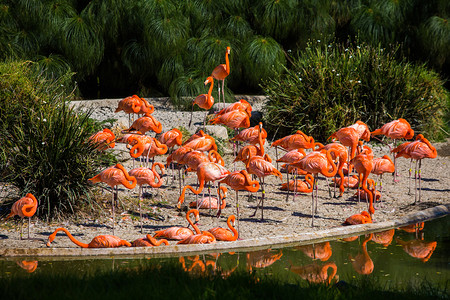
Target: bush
(43,141)
(330,86)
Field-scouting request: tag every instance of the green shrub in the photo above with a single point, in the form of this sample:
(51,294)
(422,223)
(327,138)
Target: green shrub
(43,147)
(330,86)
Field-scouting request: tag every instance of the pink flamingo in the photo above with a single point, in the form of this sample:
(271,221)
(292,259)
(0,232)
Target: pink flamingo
(24,207)
(204,101)
(101,241)
(180,233)
(221,72)
(222,234)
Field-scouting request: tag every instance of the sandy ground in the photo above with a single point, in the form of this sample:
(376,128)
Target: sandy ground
(282,215)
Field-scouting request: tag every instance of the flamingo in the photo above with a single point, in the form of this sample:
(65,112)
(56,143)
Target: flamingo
(289,158)
(211,202)
(316,273)
(221,72)
(171,138)
(240,181)
(362,218)
(300,186)
(315,163)
(363,165)
(148,241)
(419,149)
(101,241)
(251,135)
(28,265)
(362,263)
(395,130)
(205,237)
(320,251)
(222,234)
(24,207)
(343,158)
(239,105)
(103,139)
(113,176)
(206,172)
(204,142)
(204,101)
(148,147)
(384,237)
(144,124)
(382,165)
(134,104)
(234,119)
(180,233)
(147,176)
(294,141)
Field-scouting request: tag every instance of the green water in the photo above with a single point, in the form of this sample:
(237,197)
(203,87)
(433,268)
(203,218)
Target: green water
(387,264)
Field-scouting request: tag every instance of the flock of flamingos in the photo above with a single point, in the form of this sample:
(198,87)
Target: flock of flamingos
(337,160)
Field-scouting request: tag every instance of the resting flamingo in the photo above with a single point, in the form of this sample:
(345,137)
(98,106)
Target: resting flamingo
(147,176)
(103,139)
(397,129)
(148,241)
(315,163)
(113,176)
(362,218)
(180,233)
(289,158)
(144,124)
(171,138)
(300,186)
(382,165)
(234,119)
(221,72)
(101,241)
(222,234)
(419,149)
(211,202)
(241,104)
(204,101)
(24,207)
(205,237)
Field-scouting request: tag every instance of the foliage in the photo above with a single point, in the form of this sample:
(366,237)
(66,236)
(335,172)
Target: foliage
(43,140)
(329,87)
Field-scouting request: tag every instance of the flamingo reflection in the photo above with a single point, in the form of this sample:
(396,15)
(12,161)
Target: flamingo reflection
(262,259)
(362,263)
(384,238)
(320,251)
(29,266)
(316,273)
(418,248)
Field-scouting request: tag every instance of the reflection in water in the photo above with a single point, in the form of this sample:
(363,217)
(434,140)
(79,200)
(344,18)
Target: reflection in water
(418,248)
(362,263)
(413,228)
(320,251)
(29,266)
(316,273)
(351,239)
(262,259)
(384,237)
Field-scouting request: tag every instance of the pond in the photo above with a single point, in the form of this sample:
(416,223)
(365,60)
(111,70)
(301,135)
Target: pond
(405,256)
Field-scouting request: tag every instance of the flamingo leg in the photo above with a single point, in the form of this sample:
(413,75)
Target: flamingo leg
(140,206)
(237,210)
(223,92)
(312,200)
(420,180)
(287,194)
(415,184)
(114,198)
(21,229)
(295,185)
(29,221)
(409,181)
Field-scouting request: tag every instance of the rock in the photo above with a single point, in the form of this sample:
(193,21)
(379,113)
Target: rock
(217,131)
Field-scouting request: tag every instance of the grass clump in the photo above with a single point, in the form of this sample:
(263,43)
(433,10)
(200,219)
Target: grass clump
(43,140)
(328,87)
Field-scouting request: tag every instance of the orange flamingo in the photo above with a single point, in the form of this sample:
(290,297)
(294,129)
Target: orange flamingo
(343,158)
(148,241)
(289,158)
(205,237)
(211,202)
(240,181)
(300,186)
(206,172)
(362,218)
(134,104)
(260,167)
(29,266)
(204,101)
(103,139)
(362,263)
(221,72)
(171,138)
(251,135)
(363,165)
(148,147)
(362,129)
(419,149)
(294,141)
(418,248)
(24,207)
(222,234)
(397,129)
(147,176)
(234,119)
(144,124)
(320,251)
(382,165)
(239,105)
(101,241)
(413,228)
(204,142)
(113,176)
(315,163)
(180,233)
(316,273)
(384,238)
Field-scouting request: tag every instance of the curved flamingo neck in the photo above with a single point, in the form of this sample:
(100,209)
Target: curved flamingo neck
(235,232)
(260,140)
(195,212)
(252,185)
(74,240)
(333,165)
(227,63)
(127,177)
(310,180)
(210,89)
(30,209)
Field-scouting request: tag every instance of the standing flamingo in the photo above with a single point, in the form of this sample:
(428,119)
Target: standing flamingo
(147,176)
(251,135)
(144,124)
(171,138)
(315,163)
(234,119)
(180,233)
(203,142)
(241,104)
(206,172)
(134,104)
(221,72)
(204,101)
(343,158)
(222,234)
(419,149)
(294,141)
(382,165)
(103,139)
(362,263)
(113,176)
(101,241)
(363,165)
(289,158)
(211,202)
(397,129)
(24,207)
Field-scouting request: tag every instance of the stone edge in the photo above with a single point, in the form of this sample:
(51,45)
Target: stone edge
(240,245)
